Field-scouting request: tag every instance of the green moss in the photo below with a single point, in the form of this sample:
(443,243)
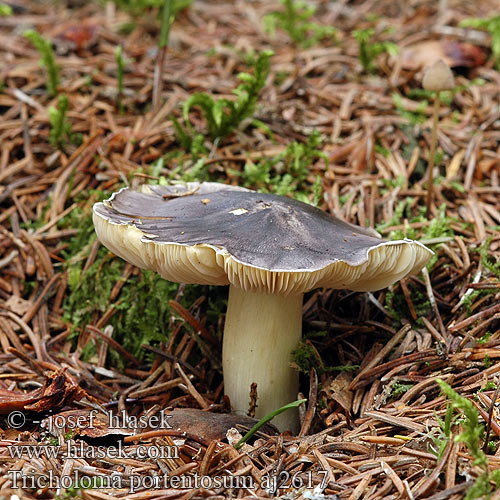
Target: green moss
(5,10)
(396,305)
(458,186)
(416,117)
(472,435)
(439,226)
(487,361)
(306,358)
(484,339)
(445,96)
(402,210)
(469,299)
(47,59)
(295,19)
(370,48)
(60,127)
(399,389)
(222,115)
(493,267)
(489,386)
(286,174)
(142,306)
(383,151)
(138,7)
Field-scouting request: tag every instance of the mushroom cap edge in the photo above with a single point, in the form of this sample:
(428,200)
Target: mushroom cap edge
(385,263)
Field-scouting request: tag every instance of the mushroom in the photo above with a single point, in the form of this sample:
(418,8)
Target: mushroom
(270,250)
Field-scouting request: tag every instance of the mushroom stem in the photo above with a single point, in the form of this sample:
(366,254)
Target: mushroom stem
(432,154)
(260,334)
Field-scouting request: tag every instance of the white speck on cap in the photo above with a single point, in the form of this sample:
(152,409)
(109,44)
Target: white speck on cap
(238,211)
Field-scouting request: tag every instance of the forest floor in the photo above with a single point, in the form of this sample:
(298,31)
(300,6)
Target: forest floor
(337,117)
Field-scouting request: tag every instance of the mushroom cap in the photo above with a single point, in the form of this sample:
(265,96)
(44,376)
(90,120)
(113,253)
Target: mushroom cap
(211,233)
(438,77)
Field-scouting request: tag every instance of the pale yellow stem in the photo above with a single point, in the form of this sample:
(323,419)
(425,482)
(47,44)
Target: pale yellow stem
(260,334)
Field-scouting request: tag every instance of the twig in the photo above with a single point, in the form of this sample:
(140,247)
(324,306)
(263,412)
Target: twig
(166,21)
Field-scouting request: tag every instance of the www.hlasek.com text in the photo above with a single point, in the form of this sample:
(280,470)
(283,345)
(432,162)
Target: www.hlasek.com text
(78,450)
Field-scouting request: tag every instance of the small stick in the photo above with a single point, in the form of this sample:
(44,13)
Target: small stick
(170,357)
(190,387)
(166,432)
(432,300)
(490,418)
(168,196)
(35,366)
(148,391)
(191,320)
(406,293)
(162,50)
(114,344)
(311,408)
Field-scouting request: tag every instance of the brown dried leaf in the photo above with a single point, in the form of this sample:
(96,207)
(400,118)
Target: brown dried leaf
(17,305)
(211,426)
(454,54)
(58,390)
(363,155)
(338,390)
(342,152)
(464,54)
(78,36)
(358,157)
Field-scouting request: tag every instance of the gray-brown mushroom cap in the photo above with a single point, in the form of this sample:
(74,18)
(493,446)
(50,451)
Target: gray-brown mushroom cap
(212,233)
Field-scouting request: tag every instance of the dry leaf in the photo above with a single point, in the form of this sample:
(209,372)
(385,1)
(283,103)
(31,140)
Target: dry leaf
(58,390)
(17,305)
(454,54)
(78,36)
(211,426)
(338,390)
